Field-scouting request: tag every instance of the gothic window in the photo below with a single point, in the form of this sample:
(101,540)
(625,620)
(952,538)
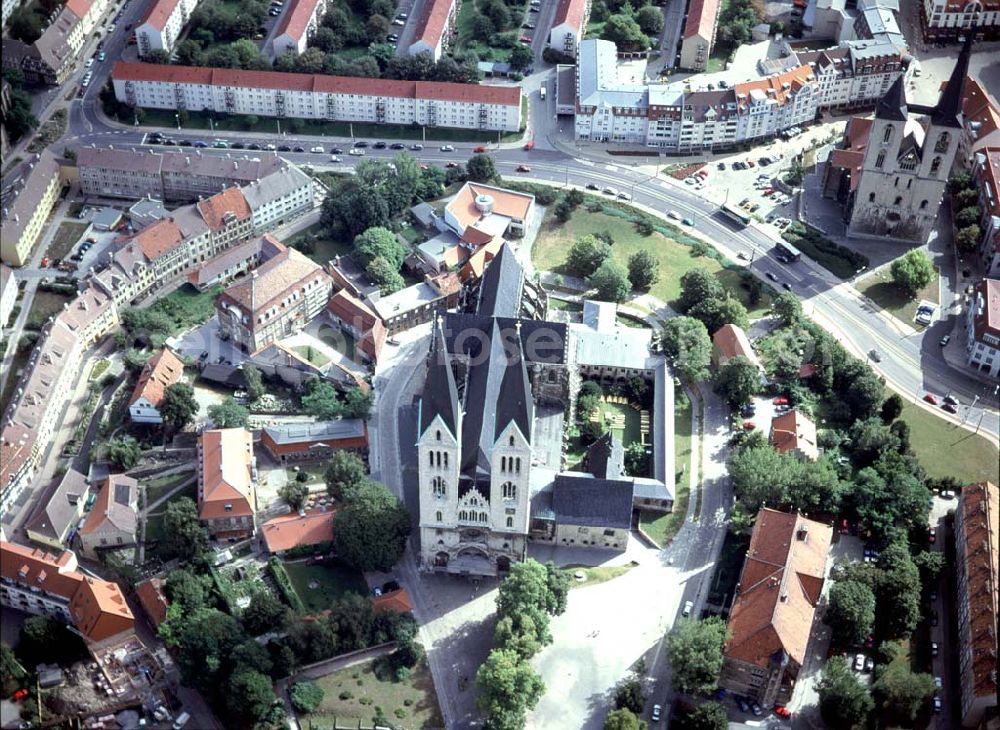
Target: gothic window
(430,456)
(508,491)
(439,487)
(438,434)
(879,160)
(896,184)
(899,199)
(511,440)
(909,162)
(440,517)
(517,466)
(871,197)
(463,515)
(923,204)
(943,142)
(935,165)
(445,459)
(510,522)
(887,135)
(909,183)
(483,517)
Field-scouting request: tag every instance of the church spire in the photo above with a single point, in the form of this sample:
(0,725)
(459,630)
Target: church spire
(893,104)
(440,393)
(948,112)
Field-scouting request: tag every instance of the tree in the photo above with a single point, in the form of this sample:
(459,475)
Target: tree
(379,242)
(687,344)
(787,307)
(967,217)
(707,716)
(902,692)
(694,649)
(851,613)
(738,380)
(179,406)
(892,408)
(623,720)
(697,285)
(381,272)
(761,475)
(650,19)
(529,595)
(25,25)
(508,688)
(306,696)
(716,313)
(625,33)
(870,439)
(611,282)
(897,591)
(186,590)
(250,695)
(228,414)
(185,536)
(643,270)
(265,613)
(124,452)
(586,256)
(843,701)
(967,239)
(295,494)
(628,696)
(321,400)
(255,381)
(912,271)
(481,168)
(204,640)
(370,532)
(521,56)
(344,472)
(46,639)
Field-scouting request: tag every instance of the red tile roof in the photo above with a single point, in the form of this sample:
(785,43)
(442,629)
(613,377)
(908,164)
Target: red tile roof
(779,588)
(153,599)
(437,90)
(794,431)
(978,107)
(159,238)
(296,21)
(731,341)
(359,315)
(225,476)
(701,18)
(980,525)
(433,22)
(572,13)
(161,371)
(285,532)
(218,209)
(774,86)
(397,601)
(987,301)
(160,13)
(97,607)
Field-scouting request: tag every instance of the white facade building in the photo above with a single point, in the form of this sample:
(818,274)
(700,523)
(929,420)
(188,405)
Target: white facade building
(435,28)
(568,25)
(982,345)
(297,26)
(8,293)
(163,24)
(281,196)
(333,98)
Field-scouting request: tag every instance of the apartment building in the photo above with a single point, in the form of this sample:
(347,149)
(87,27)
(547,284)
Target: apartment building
(162,25)
(228,217)
(305,96)
(179,177)
(8,293)
(699,33)
(944,21)
(227,483)
(287,194)
(278,299)
(9,6)
(980,122)
(418,303)
(986,171)
(160,372)
(771,618)
(982,324)
(298,24)
(40,583)
(435,28)
(34,190)
(227,266)
(113,520)
(977,542)
(568,26)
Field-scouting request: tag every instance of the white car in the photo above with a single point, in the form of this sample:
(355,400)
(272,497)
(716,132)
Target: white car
(334,158)
(688,608)
(655,716)
(270,147)
(673,215)
(89,62)
(318,149)
(397,21)
(689,181)
(111,28)
(447,148)
(356,152)
(859,663)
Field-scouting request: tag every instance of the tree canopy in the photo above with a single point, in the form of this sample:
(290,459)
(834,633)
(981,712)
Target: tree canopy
(738,380)
(184,534)
(643,269)
(228,414)
(912,271)
(694,649)
(508,688)
(481,168)
(587,255)
(687,344)
(344,472)
(851,612)
(611,282)
(370,532)
(843,701)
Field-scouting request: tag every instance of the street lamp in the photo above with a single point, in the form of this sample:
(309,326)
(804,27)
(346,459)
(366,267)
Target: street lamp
(177,116)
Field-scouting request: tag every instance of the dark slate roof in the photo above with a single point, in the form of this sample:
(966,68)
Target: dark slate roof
(440,396)
(541,342)
(949,107)
(224,374)
(500,288)
(606,457)
(893,104)
(580,499)
(650,489)
(60,512)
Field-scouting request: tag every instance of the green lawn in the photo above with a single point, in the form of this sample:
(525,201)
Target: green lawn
(65,238)
(627,434)
(663,527)
(945,449)
(563,305)
(188,307)
(156,488)
(674,256)
(315,243)
(599,574)
(45,304)
(880,288)
(311,354)
(331,580)
(355,695)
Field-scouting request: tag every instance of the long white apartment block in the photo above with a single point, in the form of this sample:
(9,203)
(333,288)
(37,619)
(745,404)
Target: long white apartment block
(307,96)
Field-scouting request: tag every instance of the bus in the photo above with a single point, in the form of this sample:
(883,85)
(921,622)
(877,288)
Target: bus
(786,252)
(735,215)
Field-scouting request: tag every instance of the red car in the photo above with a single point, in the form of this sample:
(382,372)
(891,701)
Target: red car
(782,401)
(930,398)
(530,145)
(525,39)
(950,408)
(749,426)
(932,535)
(479,150)
(782,711)
(20,695)
(523,168)
(45,261)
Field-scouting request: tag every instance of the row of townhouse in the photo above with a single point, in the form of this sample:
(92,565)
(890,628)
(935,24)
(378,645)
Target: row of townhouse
(986,171)
(47,385)
(180,176)
(297,26)
(31,190)
(162,26)
(307,96)
(435,28)
(53,56)
(950,20)
(788,91)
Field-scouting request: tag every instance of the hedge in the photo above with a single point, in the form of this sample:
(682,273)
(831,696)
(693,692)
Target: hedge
(285,585)
(839,260)
(303,551)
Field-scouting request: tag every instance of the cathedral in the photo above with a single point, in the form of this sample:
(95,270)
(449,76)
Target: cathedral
(905,161)
(488,365)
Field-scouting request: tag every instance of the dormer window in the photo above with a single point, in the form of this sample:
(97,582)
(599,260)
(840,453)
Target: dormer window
(228,507)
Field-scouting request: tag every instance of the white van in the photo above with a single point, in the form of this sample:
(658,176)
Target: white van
(182,720)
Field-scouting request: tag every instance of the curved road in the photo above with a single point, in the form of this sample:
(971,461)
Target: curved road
(912,364)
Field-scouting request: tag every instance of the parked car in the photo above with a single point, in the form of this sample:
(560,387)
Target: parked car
(755,709)
(416,147)
(938,683)
(379,146)
(951,399)
(870,664)
(447,148)
(934,617)
(780,401)
(932,535)
(783,712)
(944,340)
(450,165)
(655,716)
(859,663)
(743,704)
(479,150)
(938,704)
(397,146)
(748,411)
(593,186)
(360,143)
(934,648)
(624,196)
(873,354)
(356,152)
(721,166)
(523,168)
(318,149)
(688,222)
(688,608)
(608,190)
(931,398)
(845,527)
(749,425)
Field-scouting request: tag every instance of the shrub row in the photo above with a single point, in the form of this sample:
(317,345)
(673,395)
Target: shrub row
(285,585)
